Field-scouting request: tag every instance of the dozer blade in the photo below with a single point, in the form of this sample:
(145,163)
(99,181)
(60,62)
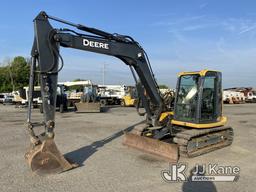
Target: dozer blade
(88,107)
(161,149)
(46,159)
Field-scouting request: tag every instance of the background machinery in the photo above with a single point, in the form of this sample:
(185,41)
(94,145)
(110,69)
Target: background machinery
(21,97)
(193,126)
(89,101)
(83,95)
(61,100)
(117,95)
(130,97)
(111,94)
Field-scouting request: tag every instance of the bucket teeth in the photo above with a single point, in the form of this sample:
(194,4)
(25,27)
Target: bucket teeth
(46,159)
(161,149)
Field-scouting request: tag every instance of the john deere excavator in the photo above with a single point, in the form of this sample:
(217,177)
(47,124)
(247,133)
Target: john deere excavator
(193,126)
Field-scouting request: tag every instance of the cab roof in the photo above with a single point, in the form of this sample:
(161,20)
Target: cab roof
(201,73)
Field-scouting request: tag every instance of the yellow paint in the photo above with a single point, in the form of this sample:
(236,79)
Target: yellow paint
(201,73)
(164,115)
(129,101)
(223,121)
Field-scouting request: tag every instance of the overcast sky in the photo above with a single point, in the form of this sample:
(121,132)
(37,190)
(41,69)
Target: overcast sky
(177,35)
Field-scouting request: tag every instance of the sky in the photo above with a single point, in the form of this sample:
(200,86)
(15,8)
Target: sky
(178,35)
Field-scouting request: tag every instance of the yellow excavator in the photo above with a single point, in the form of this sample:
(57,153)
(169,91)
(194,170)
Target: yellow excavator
(194,125)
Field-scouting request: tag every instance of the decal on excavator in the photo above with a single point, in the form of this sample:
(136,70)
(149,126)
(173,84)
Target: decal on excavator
(95,44)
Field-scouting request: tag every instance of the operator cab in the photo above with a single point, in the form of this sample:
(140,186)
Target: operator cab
(198,98)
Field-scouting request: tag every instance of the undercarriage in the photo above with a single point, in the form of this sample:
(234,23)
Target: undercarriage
(187,141)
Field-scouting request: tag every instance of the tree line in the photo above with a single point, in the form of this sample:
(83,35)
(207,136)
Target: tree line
(14,74)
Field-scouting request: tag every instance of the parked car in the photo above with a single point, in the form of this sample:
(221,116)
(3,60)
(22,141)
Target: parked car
(8,99)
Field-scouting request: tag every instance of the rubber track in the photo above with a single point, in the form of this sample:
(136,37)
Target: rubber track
(185,137)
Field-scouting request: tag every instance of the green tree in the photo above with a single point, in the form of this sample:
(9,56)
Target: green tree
(14,74)
(162,86)
(78,80)
(5,85)
(20,72)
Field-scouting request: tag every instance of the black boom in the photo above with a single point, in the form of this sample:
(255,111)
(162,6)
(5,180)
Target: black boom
(45,51)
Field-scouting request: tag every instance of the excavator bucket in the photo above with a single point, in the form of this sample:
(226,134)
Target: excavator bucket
(166,151)
(45,159)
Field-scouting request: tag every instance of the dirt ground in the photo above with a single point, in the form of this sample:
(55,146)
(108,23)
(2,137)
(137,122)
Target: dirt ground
(94,141)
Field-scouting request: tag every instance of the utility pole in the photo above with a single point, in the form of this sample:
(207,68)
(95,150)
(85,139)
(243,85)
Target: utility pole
(103,73)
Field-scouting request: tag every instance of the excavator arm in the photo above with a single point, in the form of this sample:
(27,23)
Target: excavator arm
(46,51)
(45,62)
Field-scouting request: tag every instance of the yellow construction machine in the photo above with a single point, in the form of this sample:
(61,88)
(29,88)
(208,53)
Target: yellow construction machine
(196,124)
(193,126)
(130,97)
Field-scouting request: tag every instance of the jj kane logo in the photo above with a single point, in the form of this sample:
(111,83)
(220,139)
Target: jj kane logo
(209,172)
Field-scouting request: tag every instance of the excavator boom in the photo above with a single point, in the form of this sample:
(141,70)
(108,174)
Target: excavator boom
(43,156)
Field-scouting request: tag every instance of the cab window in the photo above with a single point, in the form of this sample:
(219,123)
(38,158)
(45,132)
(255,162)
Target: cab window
(187,97)
(208,109)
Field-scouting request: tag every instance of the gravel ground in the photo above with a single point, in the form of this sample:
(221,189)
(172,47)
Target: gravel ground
(94,141)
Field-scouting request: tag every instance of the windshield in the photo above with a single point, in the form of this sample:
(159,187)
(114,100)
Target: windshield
(187,97)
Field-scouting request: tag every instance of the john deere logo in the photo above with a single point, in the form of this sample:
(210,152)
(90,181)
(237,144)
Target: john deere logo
(95,44)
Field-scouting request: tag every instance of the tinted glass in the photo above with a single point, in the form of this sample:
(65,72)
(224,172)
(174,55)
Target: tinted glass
(187,97)
(208,109)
